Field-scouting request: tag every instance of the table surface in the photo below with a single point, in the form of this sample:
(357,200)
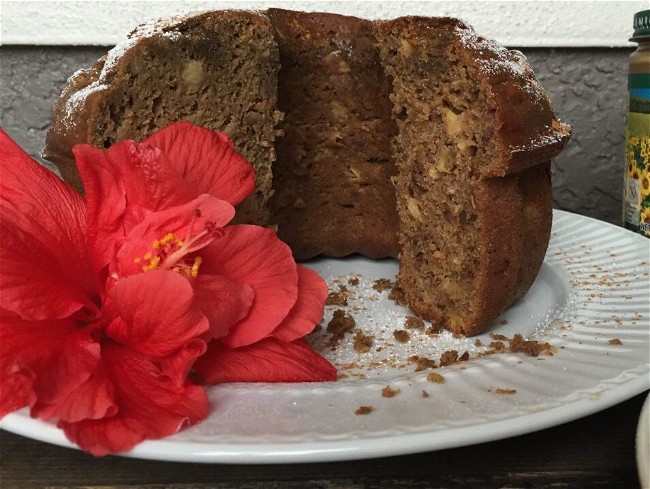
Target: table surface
(597,451)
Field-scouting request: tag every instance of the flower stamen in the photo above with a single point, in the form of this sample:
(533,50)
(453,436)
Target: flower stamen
(170,252)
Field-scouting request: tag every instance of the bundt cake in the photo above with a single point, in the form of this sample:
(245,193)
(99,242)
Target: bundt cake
(413,137)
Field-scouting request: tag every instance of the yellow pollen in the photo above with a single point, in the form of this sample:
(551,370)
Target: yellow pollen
(163,251)
(195,266)
(188,271)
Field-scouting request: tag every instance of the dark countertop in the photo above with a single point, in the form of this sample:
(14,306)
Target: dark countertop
(597,451)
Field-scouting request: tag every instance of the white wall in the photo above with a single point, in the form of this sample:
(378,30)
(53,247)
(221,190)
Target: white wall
(512,23)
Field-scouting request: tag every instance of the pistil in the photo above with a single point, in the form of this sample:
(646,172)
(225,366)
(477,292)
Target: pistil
(170,252)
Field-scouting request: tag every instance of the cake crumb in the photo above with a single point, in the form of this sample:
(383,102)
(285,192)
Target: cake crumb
(382,284)
(449,357)
(340,324)
(397,295)
(353,281)
(497,346)
(434,330)
(413,322)
(425,393)
(388,392)
(529,347)
(435,378)
(362,341)
(505,391)
(422,363)
(364,410)
(615,341)
(339,298)
(498,337)
(478,343)
(401,335)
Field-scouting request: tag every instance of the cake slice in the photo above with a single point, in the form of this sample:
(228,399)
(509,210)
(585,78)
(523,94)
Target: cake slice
(332,179)
(216,69)
(473,189)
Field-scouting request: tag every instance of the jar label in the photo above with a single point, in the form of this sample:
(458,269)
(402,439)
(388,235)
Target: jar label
(636,196)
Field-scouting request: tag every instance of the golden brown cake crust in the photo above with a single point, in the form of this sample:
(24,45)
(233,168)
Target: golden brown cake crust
(515,215)
(67,130)
(515,212)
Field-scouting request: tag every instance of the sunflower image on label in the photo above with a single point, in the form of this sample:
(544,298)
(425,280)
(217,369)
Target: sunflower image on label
(636,197)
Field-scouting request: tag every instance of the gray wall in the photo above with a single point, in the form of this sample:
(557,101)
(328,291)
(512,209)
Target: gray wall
(587,87)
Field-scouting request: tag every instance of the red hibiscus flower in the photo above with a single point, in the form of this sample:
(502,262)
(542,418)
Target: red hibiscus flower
(245,279)
(59,350)
(106,303)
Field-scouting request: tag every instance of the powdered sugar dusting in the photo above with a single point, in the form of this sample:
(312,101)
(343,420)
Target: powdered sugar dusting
(160,27)
(375,338)
(493,58)
(77,99)
(554,136)
(497,60)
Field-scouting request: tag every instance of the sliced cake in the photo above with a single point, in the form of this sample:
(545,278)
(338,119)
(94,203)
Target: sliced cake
(476,136)
(413,137)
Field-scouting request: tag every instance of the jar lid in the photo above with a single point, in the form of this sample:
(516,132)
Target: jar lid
(641,24)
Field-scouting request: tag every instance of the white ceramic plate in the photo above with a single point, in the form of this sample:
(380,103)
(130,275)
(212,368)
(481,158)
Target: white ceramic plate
(590,301)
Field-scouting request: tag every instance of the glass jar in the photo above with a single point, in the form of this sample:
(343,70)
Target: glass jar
(636,195)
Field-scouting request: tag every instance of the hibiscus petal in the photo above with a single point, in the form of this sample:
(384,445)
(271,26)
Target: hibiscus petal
(92,399)
(207,160)
(16,392)
(178,365)
(104,436)
(255,256)
(36,282)
(223,301)
(15,379)
(309,308)
(45,268)
(23,346)
(150,180)
(155,400)
(105,200)
(71,384)
(138,174)
(196,223)
(269,360)
(157,313)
